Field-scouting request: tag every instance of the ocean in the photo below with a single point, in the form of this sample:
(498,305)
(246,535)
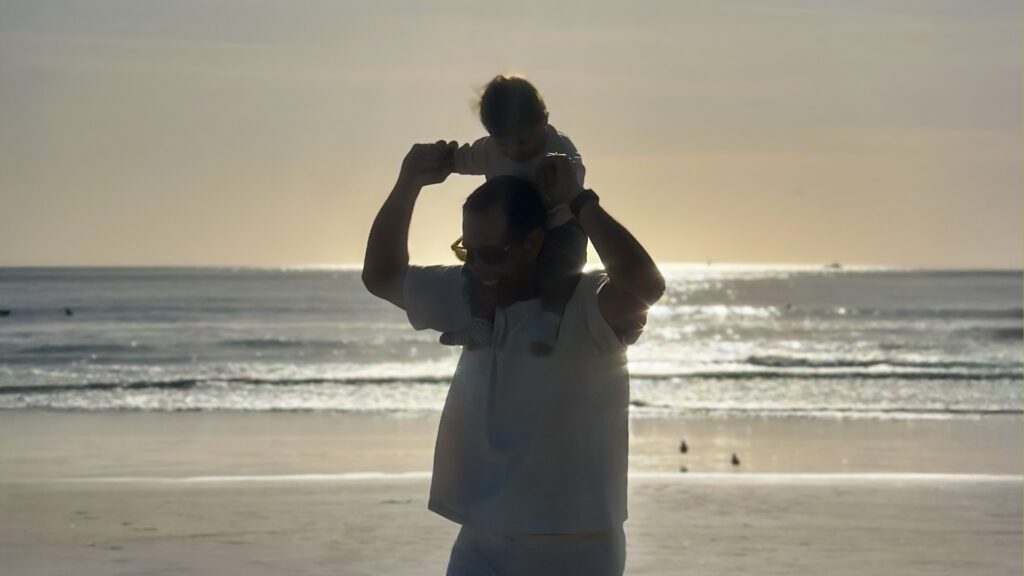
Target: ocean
(776,341)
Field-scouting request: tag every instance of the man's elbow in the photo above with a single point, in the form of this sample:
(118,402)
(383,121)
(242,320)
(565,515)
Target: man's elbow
(386,284)
(375,281)
(653,289)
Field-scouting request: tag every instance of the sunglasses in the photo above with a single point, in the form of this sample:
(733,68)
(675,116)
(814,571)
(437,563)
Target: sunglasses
(492,255)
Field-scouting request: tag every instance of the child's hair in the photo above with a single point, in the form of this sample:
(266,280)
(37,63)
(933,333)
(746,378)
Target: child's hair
(509,105)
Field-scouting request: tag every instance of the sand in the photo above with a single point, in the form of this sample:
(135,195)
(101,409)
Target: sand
(323,493)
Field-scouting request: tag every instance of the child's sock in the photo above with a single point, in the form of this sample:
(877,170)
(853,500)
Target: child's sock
(478,333)
(543,333)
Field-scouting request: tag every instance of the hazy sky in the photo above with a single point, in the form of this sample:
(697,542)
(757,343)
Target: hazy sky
(268,133)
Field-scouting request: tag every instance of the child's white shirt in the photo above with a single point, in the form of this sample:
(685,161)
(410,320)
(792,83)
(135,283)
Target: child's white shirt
(484,157)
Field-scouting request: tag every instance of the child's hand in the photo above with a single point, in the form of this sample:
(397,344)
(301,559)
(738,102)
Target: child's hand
(556,179)
(450,155)
(427,164)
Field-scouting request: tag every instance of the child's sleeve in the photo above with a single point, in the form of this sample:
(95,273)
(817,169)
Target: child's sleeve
(581,170)
(472,158)
(566,147)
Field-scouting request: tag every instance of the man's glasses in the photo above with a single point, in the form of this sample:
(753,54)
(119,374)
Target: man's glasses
(492,255)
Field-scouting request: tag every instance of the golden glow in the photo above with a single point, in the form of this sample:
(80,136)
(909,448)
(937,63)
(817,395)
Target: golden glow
(260,134)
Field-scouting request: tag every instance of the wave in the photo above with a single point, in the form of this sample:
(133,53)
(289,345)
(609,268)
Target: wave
(638,408)
(682,376)
(835,375)
(800,362)
(938,313)
(274,343)
(372,341)
(57,349)
(1007,333)
(828,410)
(189,383)
(720,310)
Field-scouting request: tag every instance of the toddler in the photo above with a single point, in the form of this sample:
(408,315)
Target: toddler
(516,119)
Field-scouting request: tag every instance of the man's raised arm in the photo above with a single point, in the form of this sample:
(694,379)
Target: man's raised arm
(634,281)
(387,250)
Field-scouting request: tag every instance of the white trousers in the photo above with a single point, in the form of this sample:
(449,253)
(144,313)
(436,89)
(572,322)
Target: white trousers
(481,553)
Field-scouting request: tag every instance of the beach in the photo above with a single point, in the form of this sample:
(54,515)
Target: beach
(343,493)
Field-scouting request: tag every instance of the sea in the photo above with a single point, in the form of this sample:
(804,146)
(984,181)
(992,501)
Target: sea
(816,342)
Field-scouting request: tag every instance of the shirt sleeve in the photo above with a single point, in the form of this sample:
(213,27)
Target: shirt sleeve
(564,145)
(598,328)
(472,158)
(434,298)
(581,170)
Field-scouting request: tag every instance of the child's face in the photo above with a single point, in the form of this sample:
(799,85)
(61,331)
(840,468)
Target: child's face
(522,146)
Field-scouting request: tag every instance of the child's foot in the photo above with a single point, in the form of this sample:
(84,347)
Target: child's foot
(543,333)
(478,333)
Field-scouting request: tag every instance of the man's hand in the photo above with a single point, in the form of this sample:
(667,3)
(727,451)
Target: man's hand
(427,164)
(556,179)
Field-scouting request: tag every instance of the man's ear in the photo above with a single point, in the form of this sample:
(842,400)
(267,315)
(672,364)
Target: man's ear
(534,242)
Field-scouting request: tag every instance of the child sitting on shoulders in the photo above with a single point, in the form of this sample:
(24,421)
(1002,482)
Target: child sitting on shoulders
(520,137)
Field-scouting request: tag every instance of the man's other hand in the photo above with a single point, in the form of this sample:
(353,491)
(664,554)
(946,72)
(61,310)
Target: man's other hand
(556,179)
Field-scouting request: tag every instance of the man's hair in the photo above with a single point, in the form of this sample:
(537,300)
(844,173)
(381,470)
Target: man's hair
(522,203)
(509,105)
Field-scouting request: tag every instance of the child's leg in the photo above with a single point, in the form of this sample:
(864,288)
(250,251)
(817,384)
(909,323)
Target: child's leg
(555,294)
(560,266)
(481,307)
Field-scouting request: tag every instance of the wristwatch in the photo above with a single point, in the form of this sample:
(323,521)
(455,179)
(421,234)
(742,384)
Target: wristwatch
(581,200)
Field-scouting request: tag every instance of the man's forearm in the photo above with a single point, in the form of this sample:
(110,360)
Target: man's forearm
(628,264)
(387,250)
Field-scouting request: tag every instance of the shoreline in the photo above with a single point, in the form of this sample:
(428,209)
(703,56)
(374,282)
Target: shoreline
(50,444)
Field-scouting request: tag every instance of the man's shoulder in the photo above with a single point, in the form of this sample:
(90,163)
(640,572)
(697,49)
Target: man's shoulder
(433,297)
(584,310)
(434,278)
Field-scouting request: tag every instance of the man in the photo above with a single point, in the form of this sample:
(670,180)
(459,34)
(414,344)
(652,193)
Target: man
(531,453)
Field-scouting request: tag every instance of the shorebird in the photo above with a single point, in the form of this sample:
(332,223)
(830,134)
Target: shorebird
(683,447)
(735,460)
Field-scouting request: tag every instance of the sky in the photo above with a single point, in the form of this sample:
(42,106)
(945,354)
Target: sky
(268,133)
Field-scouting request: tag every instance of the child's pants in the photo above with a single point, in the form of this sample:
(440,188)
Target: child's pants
(480,553)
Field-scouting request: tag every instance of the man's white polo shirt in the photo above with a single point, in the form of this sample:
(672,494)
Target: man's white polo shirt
(528,445)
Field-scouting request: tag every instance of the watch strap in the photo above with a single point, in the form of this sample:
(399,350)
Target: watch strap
(581,200)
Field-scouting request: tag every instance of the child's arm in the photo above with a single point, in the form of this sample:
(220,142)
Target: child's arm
(471,158)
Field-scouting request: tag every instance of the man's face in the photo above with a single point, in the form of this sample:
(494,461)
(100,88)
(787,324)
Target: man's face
(523,145)
(502,264)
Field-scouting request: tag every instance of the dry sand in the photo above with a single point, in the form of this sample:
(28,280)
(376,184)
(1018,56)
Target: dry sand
(235,493)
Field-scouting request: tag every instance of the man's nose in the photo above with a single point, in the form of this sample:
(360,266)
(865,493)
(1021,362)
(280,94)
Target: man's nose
(478,268)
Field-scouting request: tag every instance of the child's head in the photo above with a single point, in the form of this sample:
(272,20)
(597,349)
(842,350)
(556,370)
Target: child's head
(514,114)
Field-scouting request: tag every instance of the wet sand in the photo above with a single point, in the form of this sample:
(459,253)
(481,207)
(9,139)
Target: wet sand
(330,493)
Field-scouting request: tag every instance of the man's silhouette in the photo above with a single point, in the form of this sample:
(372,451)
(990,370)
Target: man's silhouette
(531,454)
